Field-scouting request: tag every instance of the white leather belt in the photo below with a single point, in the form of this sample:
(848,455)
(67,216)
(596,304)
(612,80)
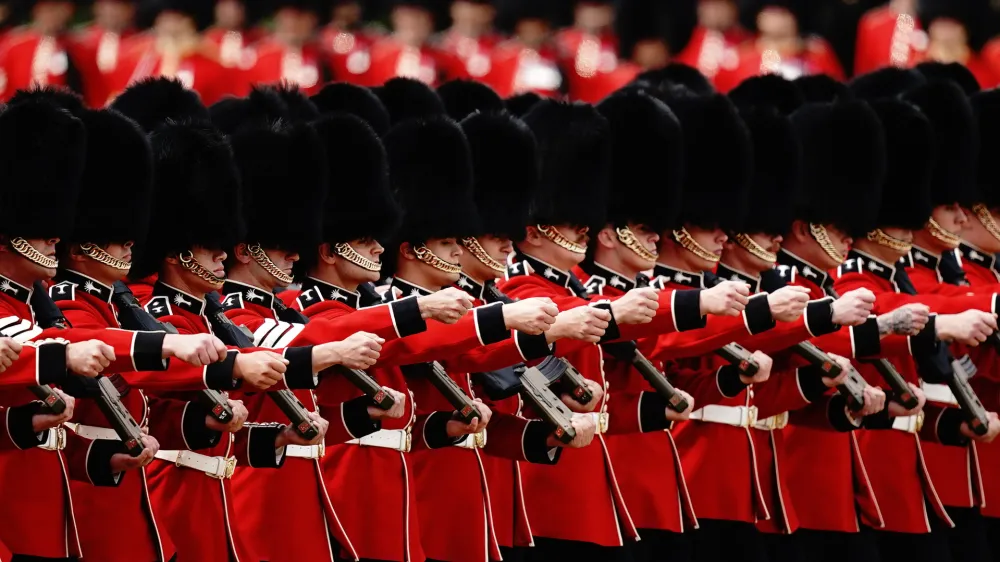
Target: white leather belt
(92,431)
(601,420)
(736,416)
(56,440)
(909,424)
(214,467)
(772,423)
(395,439)
(305,451)
(938,393)
(473,441)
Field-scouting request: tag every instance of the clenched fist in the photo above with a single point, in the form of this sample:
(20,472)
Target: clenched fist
(874,401)
(446,306)
(993,429)
(845,368)
(394,413)
(728,298)
(596,390)
(583,323)
(290,437)
(897,410)
(971,327)
(585,428)
(196,349)
(260,369)
(89,358)
(638,306)
(531,316)
(686,414)
(907,320)
(764,363)
(41,422)
(788,303)
(121,462)
(240,414)
(360,350)
(853,307)
(458,428)
(10,350)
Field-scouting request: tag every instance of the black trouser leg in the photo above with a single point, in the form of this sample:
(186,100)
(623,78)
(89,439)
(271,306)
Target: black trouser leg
(29,558)
(549,550)
(968,541)
(660,546)
(733,541)
(916,547)
(513,553)
(806,545)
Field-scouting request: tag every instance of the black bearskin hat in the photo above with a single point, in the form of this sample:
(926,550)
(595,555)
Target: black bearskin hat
(777,171)
(956,72)
(956,139)
(886,82)
(987,110)
(286,160)
(820,88)
(768,90)
(259,109)
(407,98)
(44,149)
(152,101)
(910,162)
(117,185)
(196,194)
(356,100)
(430,171)
(680,74)
(647,160)
(300,107)
(359,204)
(56,95)
(462,98)
(718,154)
(843,163)
(521,104)
(574,144)
(505,170)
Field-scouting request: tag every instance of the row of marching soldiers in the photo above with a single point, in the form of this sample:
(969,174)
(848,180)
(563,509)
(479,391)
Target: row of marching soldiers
(425,232)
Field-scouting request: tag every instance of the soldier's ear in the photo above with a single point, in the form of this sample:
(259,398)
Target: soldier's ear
(326,254)
(607,237)
(241,253)
(533,237)
(800,231)
(76,253)
(406,251)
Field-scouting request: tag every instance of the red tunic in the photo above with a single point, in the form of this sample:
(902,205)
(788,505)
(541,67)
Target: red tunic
(97,52)
(234,49)
(198,71)
(516,68)
(391,59)
(474,53)
(712,51)
(591,65)
(349,54)
(886,38)
(816,57)
(28,58)
(305,67)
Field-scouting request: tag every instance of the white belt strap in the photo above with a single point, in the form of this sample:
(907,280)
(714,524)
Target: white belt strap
(473,441)
(938,393)
(601,420)
(395,439)
(92,431)
(305,451)
(215,467)
(772,423)
(909,424)
(736,416)
(56,440)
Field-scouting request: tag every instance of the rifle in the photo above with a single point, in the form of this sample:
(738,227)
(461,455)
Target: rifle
(628,351)
(101,389)
(738,355)
(852,388)
(132,316)
(362,380)
(549,406)
(436,374)
(968,401)
(234,335)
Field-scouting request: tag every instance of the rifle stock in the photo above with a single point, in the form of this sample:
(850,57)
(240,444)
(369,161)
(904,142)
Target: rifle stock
(901,391)
(629,351)
(975,413)
(737,355)
(52,403)
(853,387)
(548,405)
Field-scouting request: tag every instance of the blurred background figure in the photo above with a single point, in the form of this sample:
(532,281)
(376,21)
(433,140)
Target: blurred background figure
(347,43)
(38,53)
(953,36)
(409,52)
(527,61)
(292,52)
(97,47)
(234,33)
(717,38)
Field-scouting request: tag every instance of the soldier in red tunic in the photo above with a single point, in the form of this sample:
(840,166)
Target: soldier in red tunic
(471,37)
(528,61)
(588,53)
(952,37)
(37,54)
(716,40)
(409,51)
(97,48)
(234,34)
(291,53)
(889,35)
(347,43)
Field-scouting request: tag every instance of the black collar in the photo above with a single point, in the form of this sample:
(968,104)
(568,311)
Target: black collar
(730,274)
(86,284)
(469,285)
(979,257)
(922,258)
(175,298)
(601,275)
(876,266)
(679,276)
(14,289)
(548,272)
(314,291)
(407,289)
(233,291)
(803,268)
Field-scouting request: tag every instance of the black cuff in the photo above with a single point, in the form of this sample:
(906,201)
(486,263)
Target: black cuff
(880,419)
(490,325)
(949,428)
(811,383)
(728,380)
(819,317)
(99,462)
(219,376)
(535,443)
(436,431)
(652,412)
(19,426)
(147,351)
(51,357)
(612,332)
(865,339)
(757,315)
(261,452)
(836,413)
(196,435)
(299,373)
(532,347)
(406,317)
(356,419)
(686,308)
(925,343)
